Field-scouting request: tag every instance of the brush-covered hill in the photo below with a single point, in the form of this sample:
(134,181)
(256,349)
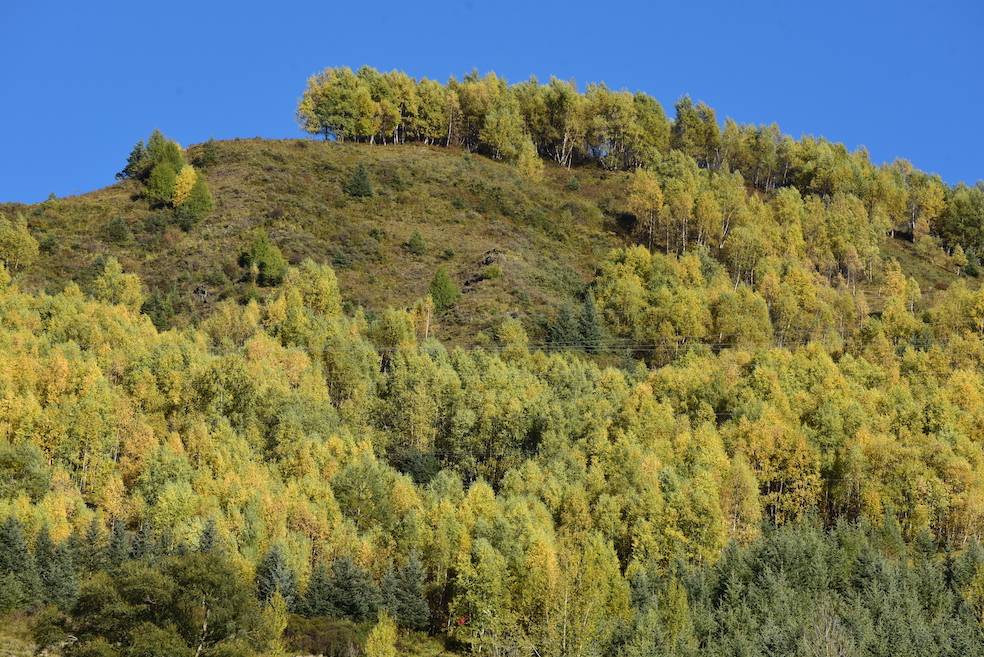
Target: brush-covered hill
(516,247)
(513,246)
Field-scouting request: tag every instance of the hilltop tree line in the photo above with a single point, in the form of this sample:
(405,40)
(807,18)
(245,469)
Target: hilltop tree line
(695,159)
(287,472)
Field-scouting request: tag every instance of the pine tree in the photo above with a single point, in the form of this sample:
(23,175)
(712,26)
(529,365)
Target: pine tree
(359,184)
(443,290)
(135,164)
(566,328)
(317,599)
(591,330)
(119,545)
(142,545)
(90,548)
(56,571)
(209,538)
(351,591)
(274,574)
(20,585)
(403,594)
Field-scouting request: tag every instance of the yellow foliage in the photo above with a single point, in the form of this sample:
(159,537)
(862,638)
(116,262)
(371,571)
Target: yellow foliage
(184,183)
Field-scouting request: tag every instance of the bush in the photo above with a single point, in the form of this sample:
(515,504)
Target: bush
(573,184)
(266,264)
(359,184)
(206,155)
(443,290)
(416,244)
(118,231)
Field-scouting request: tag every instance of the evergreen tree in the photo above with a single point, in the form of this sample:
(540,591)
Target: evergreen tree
(590,324)
(20,585)
(358,184)
(443,290)
(161,184)
(318,600)
(90,547)
(274,574)
(135,163)
(565,330)
(351,591)
(119,545)
(56,571)
(209,538)
(404,595)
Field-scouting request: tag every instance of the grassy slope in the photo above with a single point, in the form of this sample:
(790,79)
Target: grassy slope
(463,205)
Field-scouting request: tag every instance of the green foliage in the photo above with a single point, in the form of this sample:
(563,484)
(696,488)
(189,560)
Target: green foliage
(197,206)
(20,585)
(358,184)
(274,575)
(416,244)
(443,290)
(160,184)
(18,248)
(403,594)
(263,260)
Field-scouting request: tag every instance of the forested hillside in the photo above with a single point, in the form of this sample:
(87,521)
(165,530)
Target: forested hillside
(495,370)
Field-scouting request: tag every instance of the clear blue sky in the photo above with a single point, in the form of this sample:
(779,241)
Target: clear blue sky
(83,81)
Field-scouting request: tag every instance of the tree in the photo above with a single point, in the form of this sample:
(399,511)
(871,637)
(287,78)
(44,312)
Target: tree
(113,286)
(358,184)
(18,248)
(274,575)
(381,641)
(265,262)
(646,203)
(135,163)
(56,570)
(184,182)
(161,184)
(528,162)
(351,593)
(20,585)
(198,204)
(443,290)
(403,594)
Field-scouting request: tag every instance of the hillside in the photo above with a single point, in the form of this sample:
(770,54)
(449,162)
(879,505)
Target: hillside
(517,248)
(680,399)
(545,238)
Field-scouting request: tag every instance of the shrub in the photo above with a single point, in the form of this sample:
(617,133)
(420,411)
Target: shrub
(443,290)
(359,184)
(573,184)
(266,264)
(416,244)
(117,231)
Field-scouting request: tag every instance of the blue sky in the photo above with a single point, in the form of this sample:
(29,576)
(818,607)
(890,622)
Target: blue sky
(83,81)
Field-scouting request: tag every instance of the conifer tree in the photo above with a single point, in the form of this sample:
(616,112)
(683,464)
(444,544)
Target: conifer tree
(20,585)
(592,332)
(317,600)
(56,571)
(274,574)
(119,545)
(351,591)
(403,594)
(209,538)
(358,184)
(443,290)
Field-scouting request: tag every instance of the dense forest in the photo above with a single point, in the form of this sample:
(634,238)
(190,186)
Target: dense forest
(749,430)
